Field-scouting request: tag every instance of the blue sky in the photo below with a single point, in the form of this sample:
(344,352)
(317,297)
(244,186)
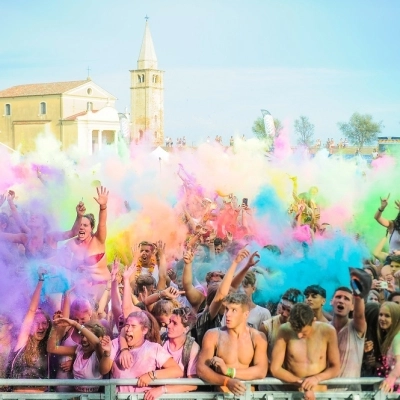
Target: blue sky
(223,60)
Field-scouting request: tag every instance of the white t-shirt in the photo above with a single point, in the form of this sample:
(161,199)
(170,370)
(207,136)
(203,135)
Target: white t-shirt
(177,356)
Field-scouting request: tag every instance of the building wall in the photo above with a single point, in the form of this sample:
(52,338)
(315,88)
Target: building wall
(26,122)
(147,105)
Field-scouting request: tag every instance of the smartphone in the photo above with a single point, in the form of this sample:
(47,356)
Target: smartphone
(383,285)
(245,201)
(355,285)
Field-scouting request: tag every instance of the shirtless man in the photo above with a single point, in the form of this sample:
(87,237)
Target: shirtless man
(315,296)
(306,352)
(235,352)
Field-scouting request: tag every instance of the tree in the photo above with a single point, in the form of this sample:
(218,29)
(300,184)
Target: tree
(259,128)
(305,131)
(361,129)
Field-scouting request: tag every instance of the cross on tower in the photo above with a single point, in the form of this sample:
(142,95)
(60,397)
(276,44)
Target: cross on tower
(146,18)
(88,72)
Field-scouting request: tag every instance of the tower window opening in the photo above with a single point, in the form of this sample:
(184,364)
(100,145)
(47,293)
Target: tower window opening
(7,109)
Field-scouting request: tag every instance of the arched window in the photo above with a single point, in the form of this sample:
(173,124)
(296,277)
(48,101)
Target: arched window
(155,78)
(139,78)
(142,78)
(7,109)
(43,108)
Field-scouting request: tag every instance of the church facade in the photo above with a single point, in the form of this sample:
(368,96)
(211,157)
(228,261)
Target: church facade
(83,114)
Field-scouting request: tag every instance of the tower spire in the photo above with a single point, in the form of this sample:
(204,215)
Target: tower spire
(147,57)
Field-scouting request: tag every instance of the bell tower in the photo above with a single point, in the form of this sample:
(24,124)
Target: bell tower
(147,95)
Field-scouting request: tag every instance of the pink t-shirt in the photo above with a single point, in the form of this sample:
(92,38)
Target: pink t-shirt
(177,356)
(148,357)
(86,368)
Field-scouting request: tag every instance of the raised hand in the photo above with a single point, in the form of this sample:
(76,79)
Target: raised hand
(129,271)
(159,247)
(384,202)
(244,253)
(102,196)
(171,293)
(114,269)
(253,260)
(11,196)
(105,343)
(80,209)
(188,256)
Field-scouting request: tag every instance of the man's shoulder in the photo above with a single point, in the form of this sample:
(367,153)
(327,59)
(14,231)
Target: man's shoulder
(324,326)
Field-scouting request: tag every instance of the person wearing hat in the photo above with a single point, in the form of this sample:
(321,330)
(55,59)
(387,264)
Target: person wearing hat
(315,296)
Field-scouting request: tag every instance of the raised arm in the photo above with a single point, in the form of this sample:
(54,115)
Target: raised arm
(359,321)
(223,288)
(30,315)
(14,212)
(102,199)
(162,265)
(378,250)
(116,307)
(237,280)
(194,296)
(378,215)
(127,305)
(80,212)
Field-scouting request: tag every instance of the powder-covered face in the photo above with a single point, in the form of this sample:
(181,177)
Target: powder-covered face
(39,327)
(85,229)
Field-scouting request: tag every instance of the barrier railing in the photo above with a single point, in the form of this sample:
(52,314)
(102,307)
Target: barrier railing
(110,390)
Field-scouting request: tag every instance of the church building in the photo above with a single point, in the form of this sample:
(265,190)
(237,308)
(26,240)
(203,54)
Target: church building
(83,114)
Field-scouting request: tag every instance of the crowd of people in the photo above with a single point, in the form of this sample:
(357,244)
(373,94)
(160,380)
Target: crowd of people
(212,302)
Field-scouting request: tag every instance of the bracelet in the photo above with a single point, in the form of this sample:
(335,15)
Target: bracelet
(41,280)
(226,381)
(231,373)
(381,211)
(159,294)
(105,354)
(125,348)
(103,208)
(80,330)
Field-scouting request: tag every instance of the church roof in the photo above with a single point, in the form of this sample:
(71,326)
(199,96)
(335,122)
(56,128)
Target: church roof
(147,57)
(40,89)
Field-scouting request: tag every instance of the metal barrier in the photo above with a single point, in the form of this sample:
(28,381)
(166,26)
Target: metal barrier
(110,390)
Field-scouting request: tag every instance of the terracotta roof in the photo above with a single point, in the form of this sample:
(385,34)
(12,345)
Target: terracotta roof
(40,89)
(73,117)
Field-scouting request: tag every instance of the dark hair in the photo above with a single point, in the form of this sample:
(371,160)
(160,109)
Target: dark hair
(146,320)
(238,298)
(394,258)
(396,223)
(315,289)
(91,219)
(343,289)
(249,279)
(144,280)
(162,307)
(393,294)
(373,271)
(211,292)
(293,295)
(217,241)
(97,329)
(273,249)
(211,274)
(386,340)
(188,317)
(301,315)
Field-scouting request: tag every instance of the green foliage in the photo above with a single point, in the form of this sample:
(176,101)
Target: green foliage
(304,129)
(361,129)
(259,128)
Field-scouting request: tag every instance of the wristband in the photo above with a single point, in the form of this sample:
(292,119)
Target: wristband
(226,381)
(381,211)
(125,348)
(103,208)
(80,330)
(105,354)
(230,373)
